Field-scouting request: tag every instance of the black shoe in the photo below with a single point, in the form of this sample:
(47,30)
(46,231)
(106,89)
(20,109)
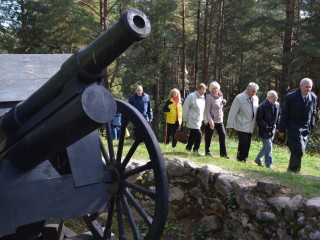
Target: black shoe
(209,154)
(188,149)
(259,164)
(224,156)
(243,160)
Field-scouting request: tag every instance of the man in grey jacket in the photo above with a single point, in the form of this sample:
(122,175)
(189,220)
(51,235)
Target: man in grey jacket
(242,118)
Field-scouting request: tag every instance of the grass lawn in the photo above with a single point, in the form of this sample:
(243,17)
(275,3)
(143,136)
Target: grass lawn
(306,183)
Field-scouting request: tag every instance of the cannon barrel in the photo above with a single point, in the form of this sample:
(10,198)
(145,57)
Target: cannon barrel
(71,104)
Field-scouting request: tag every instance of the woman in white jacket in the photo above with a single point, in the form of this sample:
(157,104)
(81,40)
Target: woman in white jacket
(242,118)
(193,115)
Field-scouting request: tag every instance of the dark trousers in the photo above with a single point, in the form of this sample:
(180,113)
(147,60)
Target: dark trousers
(171,130)
(295,162)
(194,139)
(297,146)
(219,127)
(244,145)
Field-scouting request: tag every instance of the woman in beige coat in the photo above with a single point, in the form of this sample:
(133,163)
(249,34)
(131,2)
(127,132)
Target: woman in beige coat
(192,117)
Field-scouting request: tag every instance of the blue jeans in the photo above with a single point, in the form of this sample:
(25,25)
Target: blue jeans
(115,132)
(266,152)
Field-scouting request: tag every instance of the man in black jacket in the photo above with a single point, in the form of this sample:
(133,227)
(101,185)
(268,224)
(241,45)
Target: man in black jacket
(267,120)
(298,115)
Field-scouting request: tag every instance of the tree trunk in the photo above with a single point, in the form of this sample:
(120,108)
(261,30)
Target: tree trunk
(210,43)
(287,46)
(157,108)
(183,62)
(205,43)
(219,43)
(196,64)
(104,25)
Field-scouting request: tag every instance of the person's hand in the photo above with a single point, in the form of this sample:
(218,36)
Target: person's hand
(229,130)
(212,126)
(280,134)
(184,123)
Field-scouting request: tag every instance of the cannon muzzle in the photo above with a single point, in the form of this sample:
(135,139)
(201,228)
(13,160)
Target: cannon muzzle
(72,103)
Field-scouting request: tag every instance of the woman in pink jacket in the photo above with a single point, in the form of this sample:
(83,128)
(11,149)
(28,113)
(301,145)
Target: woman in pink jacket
(214,118)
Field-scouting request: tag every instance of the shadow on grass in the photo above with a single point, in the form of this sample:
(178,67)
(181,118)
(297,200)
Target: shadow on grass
(306,185)
(312,177)
(173,153)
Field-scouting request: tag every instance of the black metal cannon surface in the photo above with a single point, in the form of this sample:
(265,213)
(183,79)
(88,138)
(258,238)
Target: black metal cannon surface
(53,163)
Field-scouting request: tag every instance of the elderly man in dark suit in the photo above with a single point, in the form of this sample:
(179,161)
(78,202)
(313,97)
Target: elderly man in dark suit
(298,114)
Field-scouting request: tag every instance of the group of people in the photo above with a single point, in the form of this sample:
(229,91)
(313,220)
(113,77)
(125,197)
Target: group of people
(295,118)
(191,112)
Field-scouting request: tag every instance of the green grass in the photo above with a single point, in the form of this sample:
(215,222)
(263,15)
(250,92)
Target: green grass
(300,183)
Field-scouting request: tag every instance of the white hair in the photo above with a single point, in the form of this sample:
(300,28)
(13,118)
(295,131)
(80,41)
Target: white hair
(306,80)
(272,93)
(214,84)
(253,85)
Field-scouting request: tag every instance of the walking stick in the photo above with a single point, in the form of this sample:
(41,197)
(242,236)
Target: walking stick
(165,132)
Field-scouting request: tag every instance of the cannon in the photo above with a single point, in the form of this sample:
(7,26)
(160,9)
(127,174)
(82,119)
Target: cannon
(55,165)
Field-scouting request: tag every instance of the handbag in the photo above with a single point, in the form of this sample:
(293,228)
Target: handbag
(280,141)
(181,136)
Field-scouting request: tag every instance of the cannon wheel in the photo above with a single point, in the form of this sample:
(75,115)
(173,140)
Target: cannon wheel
(125,195)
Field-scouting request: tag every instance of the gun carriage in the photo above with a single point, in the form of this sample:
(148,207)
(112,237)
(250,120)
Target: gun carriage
(54,163)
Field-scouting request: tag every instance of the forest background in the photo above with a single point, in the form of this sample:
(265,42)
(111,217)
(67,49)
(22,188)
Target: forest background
(274,43)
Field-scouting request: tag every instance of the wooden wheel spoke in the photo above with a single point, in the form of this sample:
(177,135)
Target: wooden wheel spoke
(124,125)
(129,154)
(93,216)
(120,150)
(110,143)
(137,170)
(133,225)
(145,216)
(120,219)
(94,225)
(140,189)
(107,231)
(104,151)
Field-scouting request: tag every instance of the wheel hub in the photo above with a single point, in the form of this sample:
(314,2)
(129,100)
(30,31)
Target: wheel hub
(115,185)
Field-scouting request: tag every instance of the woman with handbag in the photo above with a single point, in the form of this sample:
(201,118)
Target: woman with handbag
(193,115)
(173,111)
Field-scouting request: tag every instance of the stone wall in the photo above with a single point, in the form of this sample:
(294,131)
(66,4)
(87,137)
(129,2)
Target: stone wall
(235,207)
